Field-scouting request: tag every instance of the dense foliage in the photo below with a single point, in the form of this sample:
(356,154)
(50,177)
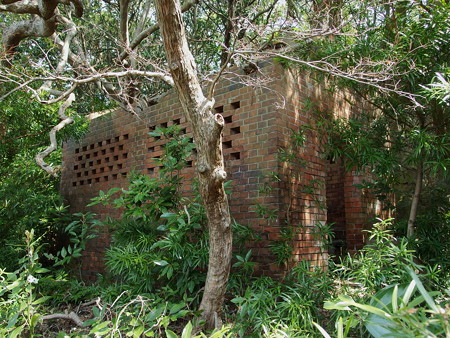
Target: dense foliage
(393,55)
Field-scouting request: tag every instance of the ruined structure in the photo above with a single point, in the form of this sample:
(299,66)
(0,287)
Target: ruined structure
(261,117)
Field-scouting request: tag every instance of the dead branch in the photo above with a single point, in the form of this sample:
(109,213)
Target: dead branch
(71,316)
(91,302)
(378,80)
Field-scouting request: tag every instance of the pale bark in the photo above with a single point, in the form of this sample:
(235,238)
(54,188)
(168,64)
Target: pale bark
(71,316)
(143,34)
(207,129)
(65,120)
(42,23)
(415,201)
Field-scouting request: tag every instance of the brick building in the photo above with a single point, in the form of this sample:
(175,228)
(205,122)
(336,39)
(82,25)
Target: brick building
(261,117)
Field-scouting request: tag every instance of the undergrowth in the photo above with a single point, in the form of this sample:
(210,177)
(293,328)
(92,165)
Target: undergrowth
(157,265)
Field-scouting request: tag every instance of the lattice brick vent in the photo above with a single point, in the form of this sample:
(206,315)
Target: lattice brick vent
(101,161)
(231,133)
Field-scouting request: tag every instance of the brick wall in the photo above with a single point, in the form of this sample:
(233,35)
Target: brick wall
(259,121)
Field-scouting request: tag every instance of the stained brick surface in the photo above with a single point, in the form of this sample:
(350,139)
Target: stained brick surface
(259,122)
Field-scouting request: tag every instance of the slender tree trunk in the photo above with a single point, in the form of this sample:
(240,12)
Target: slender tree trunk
(415,200)
(207,129)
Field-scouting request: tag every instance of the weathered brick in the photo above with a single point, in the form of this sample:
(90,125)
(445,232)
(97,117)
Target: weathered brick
(258,122)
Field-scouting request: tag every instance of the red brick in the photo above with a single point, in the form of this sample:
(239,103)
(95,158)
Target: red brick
(260,129)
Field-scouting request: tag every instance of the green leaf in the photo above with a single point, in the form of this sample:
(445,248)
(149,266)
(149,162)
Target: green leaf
(161,262)
(169,272)
(89,322)
(409,291)
(331,305)
(13,320)
(96,311)
(187,331)
(101,328)
(239,300)
(167,215)
(176,308)
(41,300)
(422,290)
(171,334)
(322,330)
(18,330)
(395,299)
(34,320)
(137,332)
(42,270)
(155,313)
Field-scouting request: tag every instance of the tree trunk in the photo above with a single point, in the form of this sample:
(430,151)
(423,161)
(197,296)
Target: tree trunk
(207,129)
(415,201)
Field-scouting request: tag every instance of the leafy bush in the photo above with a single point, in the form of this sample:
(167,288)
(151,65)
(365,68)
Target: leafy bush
(19,301)
(160,242)
(378,264)
(432,225)
(29,199)
(394,312)
(289,306)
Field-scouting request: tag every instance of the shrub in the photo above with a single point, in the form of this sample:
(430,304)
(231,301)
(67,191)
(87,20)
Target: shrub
(394,312)
(379,263)
(160,241)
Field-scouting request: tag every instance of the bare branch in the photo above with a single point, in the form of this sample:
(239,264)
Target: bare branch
(71,316)
(95,115)
(65,120)
(378,80)
(77,4)
(42,24)
(213,84)
(72,31)
(20,8)
(84,80)
(21,30)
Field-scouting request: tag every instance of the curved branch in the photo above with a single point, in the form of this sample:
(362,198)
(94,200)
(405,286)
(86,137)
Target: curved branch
(71,316)
(72,31)
(47,8)
(20,8)
(65,120)
(21,30)
(42,24)
(78,5)
(76,82)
